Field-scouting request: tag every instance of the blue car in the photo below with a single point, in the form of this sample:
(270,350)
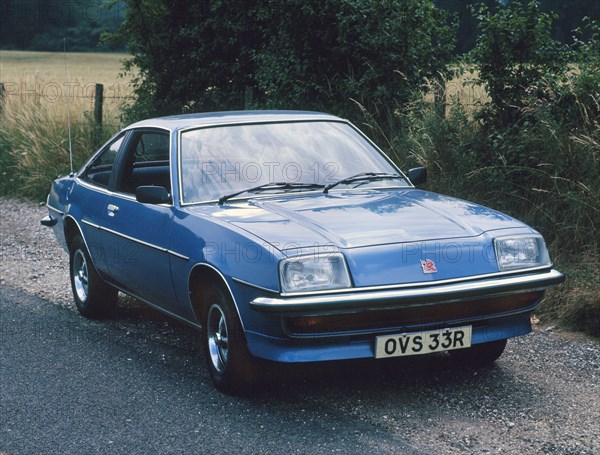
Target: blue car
(290,237)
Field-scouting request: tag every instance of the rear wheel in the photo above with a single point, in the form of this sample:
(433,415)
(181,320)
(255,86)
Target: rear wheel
(232,368)
(93,297)
(480,354)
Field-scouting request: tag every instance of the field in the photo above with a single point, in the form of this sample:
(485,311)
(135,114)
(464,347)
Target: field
(40,77)
(103,68)
(38,95)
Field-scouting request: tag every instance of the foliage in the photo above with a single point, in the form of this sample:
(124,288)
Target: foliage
(533,151)
(360,56)
(39,25)
(575,303)
(188,56)
(338,55)
(570,14)
(517,59)
(539,134)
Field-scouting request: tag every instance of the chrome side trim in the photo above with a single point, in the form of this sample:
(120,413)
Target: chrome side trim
(89,223)
(133,239)
(55,209)
(177,255)
(91,186)
(256,286)
(399,298)
(418,284)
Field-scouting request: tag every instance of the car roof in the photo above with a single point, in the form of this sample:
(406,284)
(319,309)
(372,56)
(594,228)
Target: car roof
(184,121)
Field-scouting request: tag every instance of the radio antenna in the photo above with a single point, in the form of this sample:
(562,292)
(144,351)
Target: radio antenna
(68,107)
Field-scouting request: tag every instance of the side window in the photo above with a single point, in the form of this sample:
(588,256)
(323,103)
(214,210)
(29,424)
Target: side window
(100,169)
(146,163)
(152,147)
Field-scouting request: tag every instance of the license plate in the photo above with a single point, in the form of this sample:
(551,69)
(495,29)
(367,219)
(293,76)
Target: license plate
(415,343)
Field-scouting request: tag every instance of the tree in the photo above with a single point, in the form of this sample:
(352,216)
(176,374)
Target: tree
(38,25)
(344,56)
(518,59)
(356,55)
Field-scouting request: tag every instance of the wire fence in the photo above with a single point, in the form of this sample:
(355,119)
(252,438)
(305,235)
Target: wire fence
(94,97)
(94,102)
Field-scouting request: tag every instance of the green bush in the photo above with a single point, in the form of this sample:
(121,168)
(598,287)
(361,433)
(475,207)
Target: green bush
(340,56)
(517,60)
(539,135)
(533,151)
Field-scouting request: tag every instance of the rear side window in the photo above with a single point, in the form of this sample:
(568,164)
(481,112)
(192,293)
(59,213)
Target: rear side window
(100,169)
(146,162)
(152,146)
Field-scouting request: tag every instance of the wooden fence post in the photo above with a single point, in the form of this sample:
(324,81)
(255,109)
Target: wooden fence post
(1,96)
(439,91)
(98,100)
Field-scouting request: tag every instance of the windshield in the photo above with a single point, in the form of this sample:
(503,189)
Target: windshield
(222,160)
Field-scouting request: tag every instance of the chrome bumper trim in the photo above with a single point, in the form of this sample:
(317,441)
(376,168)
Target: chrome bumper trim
(399,298)
(48,221)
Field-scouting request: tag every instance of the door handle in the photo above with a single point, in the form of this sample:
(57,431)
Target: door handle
(112,209)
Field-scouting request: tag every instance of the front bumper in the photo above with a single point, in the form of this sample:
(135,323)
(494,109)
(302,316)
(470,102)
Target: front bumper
(405,296)
(319,349)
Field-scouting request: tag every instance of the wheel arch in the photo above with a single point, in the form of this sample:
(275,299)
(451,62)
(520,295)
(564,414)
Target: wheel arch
(71,229)
(203,275)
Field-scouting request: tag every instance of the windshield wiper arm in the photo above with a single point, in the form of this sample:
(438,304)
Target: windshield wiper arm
(363,176)
(271,186)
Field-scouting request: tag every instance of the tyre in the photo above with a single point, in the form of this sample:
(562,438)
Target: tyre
(93,297)
(232,368)
(480,354)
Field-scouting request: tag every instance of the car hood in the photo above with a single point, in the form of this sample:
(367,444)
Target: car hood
(352,219)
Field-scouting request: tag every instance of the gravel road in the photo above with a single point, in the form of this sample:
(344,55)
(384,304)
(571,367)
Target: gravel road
(542,396)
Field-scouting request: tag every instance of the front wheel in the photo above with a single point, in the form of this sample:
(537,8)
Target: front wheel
(93,297)
(232,368)
(480,354)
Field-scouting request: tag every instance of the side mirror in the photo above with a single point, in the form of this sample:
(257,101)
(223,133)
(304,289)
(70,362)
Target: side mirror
(152,195)
(417,175)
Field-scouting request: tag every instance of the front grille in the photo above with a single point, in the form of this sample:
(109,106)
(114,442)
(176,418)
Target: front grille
(421,314)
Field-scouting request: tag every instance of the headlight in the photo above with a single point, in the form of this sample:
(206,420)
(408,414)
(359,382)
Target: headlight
(314,273)
(521,252)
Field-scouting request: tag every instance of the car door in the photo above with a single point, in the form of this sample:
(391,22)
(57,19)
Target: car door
(91,196)
(138,241)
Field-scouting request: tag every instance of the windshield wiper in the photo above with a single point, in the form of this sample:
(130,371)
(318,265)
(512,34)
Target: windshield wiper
(363,176)
(271,186)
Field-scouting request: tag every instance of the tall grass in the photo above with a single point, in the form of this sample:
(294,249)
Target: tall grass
(545,172)
(34,146)
(34,141)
